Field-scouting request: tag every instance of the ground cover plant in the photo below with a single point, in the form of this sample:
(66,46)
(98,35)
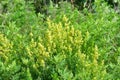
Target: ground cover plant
(61,42)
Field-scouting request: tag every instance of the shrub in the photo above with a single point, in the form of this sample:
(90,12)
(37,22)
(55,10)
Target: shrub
(56,54)
(70,45)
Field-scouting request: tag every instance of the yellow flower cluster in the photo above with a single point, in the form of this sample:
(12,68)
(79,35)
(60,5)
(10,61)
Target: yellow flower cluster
(63,42)
(91,66)
(36,51)
(5,47)
(57,39)
(65,19)
(61,38)
(97,67)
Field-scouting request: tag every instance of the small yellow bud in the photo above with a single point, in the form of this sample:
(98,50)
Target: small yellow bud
(31,34)
(65,18)
(42,63)
(41,47)
(47,54)
(94,78)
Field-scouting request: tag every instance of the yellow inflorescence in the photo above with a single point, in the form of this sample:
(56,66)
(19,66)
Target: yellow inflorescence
(5,47)
(57,39)
(65,19)
(62,41)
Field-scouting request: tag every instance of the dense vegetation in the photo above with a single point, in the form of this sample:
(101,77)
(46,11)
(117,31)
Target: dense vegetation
(59,40)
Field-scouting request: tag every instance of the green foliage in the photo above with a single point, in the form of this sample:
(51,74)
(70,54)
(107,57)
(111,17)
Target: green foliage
(56,55)
(67,44)
(21,14)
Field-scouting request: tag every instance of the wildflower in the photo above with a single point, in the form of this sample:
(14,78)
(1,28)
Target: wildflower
(47,54)
(65,18)
(94,78)
(42,63)
(72,31)
(31,34)
(87,36)
(96,55)
(95,63)
(41,47)
(102,62)
(49,22)
(28,50)
(69,48)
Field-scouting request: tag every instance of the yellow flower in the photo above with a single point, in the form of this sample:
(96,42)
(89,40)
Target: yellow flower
(31,34)
(96,54)
(72,31)
(69,48)
(95,63)
(41,47)
(102,62)
(42,63)
(49,23)
(47,54)
(94,78)
(29,52)
(65,18)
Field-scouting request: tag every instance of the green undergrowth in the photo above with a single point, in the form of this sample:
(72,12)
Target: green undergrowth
(66,44)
